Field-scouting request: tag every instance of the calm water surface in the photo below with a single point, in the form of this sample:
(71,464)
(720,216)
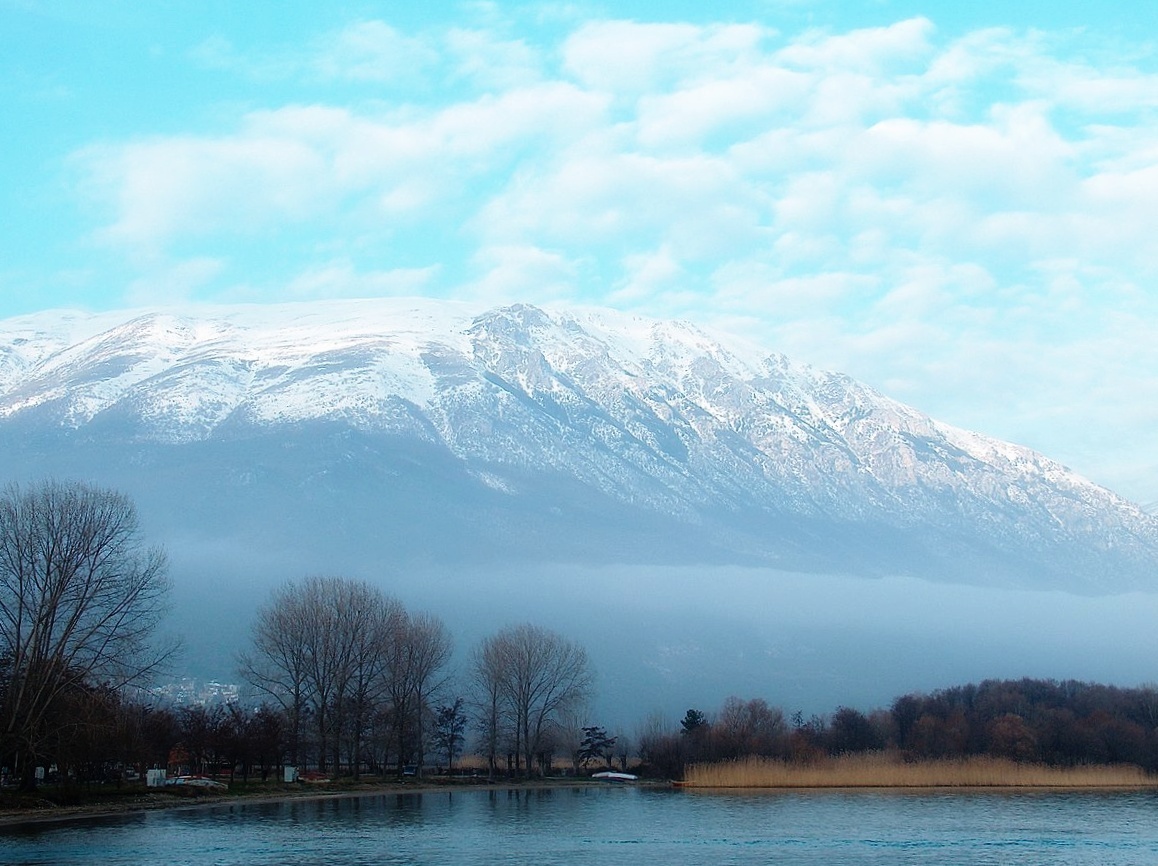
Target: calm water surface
(617,825)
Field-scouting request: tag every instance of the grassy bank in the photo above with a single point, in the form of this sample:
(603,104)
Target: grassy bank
(882,770)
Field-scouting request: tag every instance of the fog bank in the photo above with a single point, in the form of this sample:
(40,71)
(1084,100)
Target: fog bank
(666,639)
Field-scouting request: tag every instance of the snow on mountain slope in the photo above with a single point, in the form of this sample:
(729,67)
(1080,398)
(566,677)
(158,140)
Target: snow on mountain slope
(660,417)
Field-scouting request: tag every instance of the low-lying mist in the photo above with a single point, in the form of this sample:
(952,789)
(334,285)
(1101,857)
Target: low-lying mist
(664,639)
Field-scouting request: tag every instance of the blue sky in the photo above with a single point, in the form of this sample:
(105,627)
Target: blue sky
(953,202)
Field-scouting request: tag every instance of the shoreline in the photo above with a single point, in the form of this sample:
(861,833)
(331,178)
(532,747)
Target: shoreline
(153,801)
(148,801)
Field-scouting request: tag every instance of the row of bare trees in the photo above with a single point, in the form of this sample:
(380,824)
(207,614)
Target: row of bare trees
(358,678)
(351,675)
(350,667)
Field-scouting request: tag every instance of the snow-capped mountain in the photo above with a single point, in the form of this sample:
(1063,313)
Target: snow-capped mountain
(428,428)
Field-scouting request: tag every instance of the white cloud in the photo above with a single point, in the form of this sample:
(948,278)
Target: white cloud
(491,62)
(362,52)
(695,203)
(823,149)
(341,279)
(512,273)
(303,162)
(163,188)
(1015,156)
(648,277)
(977,56)
(370,51)
(628,58)
(685,117)
(173,282)
(1079,86)
(869,50)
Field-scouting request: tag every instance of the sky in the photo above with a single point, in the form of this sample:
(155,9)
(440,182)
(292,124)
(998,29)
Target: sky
(952,202)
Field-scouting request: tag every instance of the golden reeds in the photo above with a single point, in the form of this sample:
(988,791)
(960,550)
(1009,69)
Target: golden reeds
(889,770)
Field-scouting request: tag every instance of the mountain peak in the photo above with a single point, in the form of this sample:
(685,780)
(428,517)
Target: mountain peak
(738,452)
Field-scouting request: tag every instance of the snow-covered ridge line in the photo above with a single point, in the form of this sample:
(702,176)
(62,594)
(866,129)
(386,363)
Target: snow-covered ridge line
(57,346)
(358,353)
(660,415)
(103,358)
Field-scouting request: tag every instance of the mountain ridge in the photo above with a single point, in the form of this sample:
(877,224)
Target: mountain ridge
(578,409)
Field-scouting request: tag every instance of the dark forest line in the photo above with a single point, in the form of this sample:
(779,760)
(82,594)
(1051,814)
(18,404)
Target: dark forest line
(1055,723)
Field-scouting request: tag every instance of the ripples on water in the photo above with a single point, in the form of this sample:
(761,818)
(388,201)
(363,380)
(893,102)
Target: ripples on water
(615,825)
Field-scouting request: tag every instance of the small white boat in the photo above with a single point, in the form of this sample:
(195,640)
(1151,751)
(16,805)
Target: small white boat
(609,776)
(197,782)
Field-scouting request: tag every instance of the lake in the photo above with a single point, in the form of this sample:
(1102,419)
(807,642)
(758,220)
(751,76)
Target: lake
(616,825)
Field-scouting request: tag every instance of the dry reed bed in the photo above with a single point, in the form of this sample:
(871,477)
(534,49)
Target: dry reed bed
(891,771)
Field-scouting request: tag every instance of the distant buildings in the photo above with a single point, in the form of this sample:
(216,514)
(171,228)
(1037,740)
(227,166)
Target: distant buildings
(190,692)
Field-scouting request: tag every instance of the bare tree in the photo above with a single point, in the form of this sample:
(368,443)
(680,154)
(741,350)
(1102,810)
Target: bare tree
(323,640)
(749,728)
(569,733)
(539,674)
(420,652)
(321,648)
(372,619)
(489,663)
(80,600)
(277,665)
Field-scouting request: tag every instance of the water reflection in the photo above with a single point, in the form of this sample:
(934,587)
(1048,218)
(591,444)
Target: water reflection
(578,826)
